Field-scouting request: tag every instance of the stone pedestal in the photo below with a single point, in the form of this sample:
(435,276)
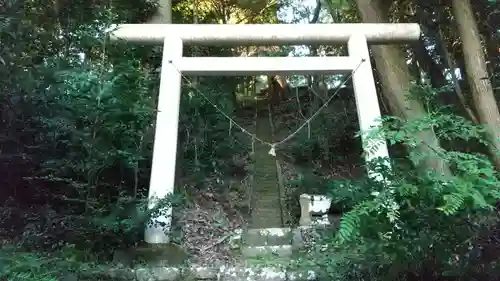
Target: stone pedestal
(314,209)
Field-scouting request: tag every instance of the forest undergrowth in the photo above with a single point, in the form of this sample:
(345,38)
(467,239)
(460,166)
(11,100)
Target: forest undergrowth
(414,224)
(77,130)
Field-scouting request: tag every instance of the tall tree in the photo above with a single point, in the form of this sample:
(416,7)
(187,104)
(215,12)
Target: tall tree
(477,74)
(164,12)
(395,80)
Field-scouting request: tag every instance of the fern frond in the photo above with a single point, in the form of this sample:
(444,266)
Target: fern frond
(350,222)
(453,202)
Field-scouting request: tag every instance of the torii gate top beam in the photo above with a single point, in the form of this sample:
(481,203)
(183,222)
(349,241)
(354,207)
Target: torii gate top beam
(267,34)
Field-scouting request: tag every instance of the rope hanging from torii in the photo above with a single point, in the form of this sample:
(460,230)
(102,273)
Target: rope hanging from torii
(273,146)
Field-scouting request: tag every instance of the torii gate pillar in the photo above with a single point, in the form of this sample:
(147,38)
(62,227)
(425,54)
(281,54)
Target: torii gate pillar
(173,36)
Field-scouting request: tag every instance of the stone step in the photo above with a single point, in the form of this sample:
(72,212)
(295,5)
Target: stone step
(264,177)
(267,251)
(263,156)
(266,195)
(195,272)
(262,219)
(265,218)
(265,167)
(266,204)
(270,162)
(267,178)
(266,212)
(267,237)
(265,242)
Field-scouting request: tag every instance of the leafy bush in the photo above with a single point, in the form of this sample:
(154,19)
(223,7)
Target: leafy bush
(416,223)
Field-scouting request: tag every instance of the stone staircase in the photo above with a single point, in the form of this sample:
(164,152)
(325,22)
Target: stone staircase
(266,208)
(265,236)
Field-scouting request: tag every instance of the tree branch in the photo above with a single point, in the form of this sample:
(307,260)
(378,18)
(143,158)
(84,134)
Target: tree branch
(316,12)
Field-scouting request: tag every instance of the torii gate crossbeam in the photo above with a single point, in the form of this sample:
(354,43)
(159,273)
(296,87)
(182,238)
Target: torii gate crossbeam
(174,36)
(268,34)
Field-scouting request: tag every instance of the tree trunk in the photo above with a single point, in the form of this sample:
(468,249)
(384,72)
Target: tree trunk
(395,79)
(428,65)
(163,13)
(477,75)
(440,44)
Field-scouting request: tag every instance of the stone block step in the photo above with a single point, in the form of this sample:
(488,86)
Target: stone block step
(264,274)
(264,242)
(267,251)
(266,173)
(196,272)
(267,237)
(265,180)
(262,219)
(266,196)
(265,165)
(262,194)
(266,205)
(266,201)
(263,214)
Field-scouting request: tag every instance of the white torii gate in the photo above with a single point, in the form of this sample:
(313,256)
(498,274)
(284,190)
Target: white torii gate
(174,36)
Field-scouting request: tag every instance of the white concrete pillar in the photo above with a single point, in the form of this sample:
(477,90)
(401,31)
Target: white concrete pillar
(366,96)
(165,141)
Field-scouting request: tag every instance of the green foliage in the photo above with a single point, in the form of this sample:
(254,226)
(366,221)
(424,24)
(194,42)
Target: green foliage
(318,140)
(346,193)
(76,138)
(414,222)
(78,117)
(17,266)
(103,118)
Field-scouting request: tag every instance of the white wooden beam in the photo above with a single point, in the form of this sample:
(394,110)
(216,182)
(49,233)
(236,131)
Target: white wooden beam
(241,66)
(267,34)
